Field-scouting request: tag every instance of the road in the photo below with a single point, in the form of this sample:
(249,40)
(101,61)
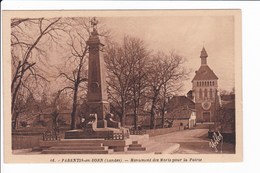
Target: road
(192,141)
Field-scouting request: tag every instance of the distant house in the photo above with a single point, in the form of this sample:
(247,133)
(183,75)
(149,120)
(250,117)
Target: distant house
(177,102)
(181,111)
(183,117)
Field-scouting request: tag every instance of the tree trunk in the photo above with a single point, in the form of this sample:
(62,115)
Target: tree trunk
(123,113)
(74,109)
(152,120)
(136,108)
(14,120)
(135,118)
(162,119)
(163,111)
(14,95)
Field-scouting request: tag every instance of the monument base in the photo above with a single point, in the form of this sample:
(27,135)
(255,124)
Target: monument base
(91,130)
(103,133)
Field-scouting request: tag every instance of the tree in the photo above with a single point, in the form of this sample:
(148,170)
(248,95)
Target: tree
(165,74)
(76,75)
(125,64)
(28,39)
(138,78)
(57,103)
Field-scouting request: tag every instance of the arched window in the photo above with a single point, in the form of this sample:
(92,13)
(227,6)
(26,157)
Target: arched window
(197,83)
(208,83)
(205,93)
(213,83)
(200,93)
(210,93)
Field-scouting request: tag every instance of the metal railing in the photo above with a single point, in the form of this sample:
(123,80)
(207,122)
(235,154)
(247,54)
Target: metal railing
(51,136)
(116,136)
(137,132)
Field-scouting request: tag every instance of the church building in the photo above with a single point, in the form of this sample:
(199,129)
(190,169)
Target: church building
(204,91)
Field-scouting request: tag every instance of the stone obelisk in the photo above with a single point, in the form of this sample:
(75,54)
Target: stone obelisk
(97,100)
(99,121)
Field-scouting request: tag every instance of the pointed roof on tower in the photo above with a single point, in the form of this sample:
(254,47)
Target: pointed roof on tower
(203,53)
(204,72)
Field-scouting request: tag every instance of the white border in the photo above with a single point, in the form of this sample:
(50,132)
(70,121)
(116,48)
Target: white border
(251,86)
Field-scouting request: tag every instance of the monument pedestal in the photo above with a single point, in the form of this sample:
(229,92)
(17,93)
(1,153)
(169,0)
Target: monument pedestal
(100,108)
(92,131)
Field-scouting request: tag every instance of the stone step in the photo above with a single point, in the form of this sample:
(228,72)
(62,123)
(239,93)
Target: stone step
(135,145)
(78,148)
(76,151)
(79,144)
(82,140)
(118,148)
(136,149)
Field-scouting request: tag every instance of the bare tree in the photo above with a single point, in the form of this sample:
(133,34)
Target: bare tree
(28,39)
(169,89)
(76,75)
(138,80)
(124,65)
(165,70)
(57,104)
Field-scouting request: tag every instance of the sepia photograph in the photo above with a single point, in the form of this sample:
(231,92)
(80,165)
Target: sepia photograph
(122,86)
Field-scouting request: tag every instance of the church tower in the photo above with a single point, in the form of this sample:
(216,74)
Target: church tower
(204,87)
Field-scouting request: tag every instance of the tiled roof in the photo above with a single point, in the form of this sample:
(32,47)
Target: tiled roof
(178,102)
(205,73)
(180,114)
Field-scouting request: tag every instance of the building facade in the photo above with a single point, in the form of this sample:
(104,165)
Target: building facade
(204,91)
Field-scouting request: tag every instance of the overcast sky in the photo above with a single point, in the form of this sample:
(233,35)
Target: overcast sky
(185,35)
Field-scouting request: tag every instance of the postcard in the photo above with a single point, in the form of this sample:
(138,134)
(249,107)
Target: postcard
(104,86)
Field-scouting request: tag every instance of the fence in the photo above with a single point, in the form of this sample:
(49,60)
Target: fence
(51,136)
(137,132)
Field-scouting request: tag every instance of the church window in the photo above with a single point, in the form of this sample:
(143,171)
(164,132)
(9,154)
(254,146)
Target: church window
(210,93)
(205,93)
(200,94)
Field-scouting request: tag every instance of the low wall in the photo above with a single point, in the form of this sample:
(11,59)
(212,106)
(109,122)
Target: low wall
(29,138)
(26,140)
(155,132)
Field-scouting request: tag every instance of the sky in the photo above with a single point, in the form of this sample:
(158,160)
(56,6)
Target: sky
(186,35)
